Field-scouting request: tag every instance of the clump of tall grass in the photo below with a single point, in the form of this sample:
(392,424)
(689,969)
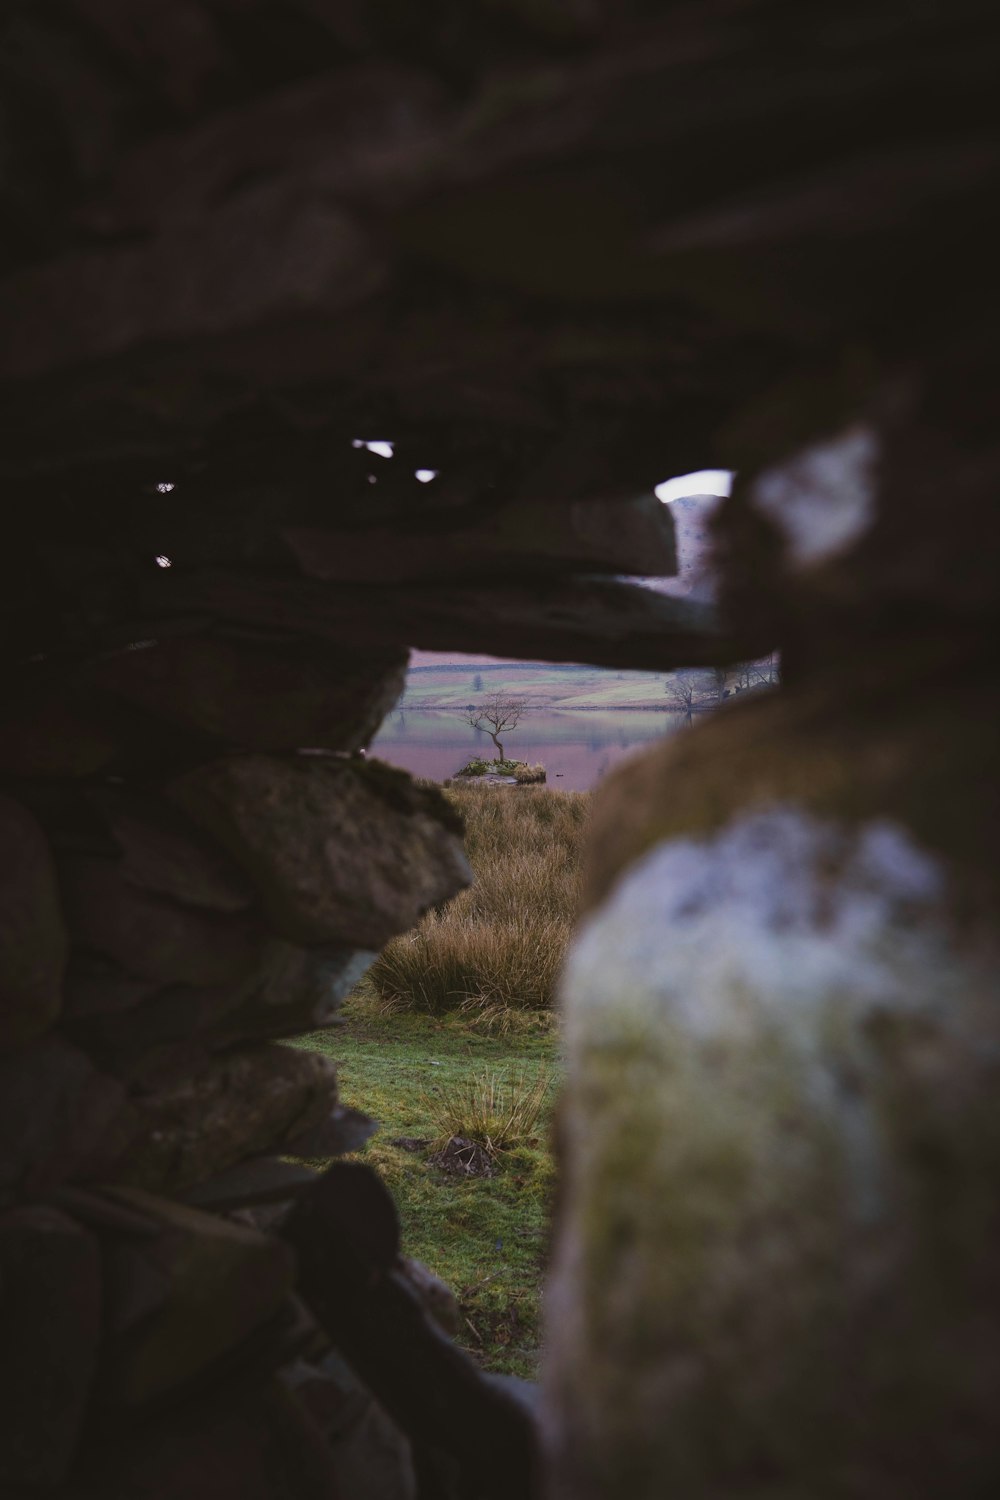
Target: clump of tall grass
(500,943)
(495,1111)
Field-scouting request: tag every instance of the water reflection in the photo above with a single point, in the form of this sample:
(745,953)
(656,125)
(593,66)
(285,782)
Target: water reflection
(576,749)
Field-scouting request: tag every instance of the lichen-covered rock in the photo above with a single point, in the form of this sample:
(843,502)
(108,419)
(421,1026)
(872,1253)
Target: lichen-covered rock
(240,1104)
(339,851)
(50,1310)
(180,1300)
(777,1269)
(256,694)
(33,939)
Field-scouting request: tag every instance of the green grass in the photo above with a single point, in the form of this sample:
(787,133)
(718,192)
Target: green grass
(487,1237)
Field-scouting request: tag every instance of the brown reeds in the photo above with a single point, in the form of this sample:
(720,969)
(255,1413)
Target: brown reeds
(501,943)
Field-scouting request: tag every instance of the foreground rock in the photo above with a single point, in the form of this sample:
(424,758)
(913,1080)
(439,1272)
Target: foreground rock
(778,1253)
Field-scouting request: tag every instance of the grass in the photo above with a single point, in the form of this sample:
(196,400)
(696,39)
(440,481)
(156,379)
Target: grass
(498,946)
(497,1111)
(487,1237)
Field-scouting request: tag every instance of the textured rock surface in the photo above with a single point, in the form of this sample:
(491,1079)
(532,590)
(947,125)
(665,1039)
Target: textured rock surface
(33,939)
(180,1300)
(338,851)
(237,1106)
(259,695)
(780,1151)
(59,1117)
(50,1304)
(327,330)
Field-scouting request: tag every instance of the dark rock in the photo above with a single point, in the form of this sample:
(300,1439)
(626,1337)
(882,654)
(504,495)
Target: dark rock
(148,935)
(43,735)
(623,536)
(369,1453)
(179,1302)
(60,1118)
(241,1104)
(50,1296)
(338,851)
(346,1237)
(259,696)
(255,1442)
(344,1131)
(161,852)
(158,1030)
(33,938)
(263,1179)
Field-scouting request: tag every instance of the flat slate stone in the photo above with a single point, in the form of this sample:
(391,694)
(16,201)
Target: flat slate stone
(259,696)
(339,851)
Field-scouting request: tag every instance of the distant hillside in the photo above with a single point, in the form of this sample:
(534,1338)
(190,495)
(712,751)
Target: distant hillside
(453,685)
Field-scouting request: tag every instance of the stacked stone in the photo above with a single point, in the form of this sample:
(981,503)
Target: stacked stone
(555,252)
(163,925)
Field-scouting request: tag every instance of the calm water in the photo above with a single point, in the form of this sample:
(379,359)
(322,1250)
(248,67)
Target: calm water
(575,748)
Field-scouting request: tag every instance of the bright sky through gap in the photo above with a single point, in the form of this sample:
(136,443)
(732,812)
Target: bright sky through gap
(702,482)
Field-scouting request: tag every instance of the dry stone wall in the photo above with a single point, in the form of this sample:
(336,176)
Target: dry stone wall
(549,254)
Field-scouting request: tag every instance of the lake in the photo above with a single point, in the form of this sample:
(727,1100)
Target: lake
(576,749)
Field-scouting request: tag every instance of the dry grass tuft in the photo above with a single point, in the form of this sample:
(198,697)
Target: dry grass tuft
(500,944)
(495,1111)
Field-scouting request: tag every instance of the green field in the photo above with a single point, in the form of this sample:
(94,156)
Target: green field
(486,1237)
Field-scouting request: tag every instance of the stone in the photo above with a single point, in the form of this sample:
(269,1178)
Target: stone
(255,1441)
(60,1119)
(181,1301)
(606,622)
(50,1305)
(162,853)
(293,990)
(262,1179)
(33,941)
(149,936)
(343,1132)
(369,1453)
(608,536)
(154,1031)
(339,851)
(43,735)
(781,1148)
(238,1105)
(345,1232)
(259,696)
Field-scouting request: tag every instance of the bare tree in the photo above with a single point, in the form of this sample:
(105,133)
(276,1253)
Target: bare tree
(496,714)
(765,672)
(680,690)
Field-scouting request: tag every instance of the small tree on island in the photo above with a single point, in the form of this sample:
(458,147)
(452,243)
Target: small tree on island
(496,714)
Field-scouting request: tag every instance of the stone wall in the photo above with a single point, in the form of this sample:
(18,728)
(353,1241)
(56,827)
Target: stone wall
(553,253)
